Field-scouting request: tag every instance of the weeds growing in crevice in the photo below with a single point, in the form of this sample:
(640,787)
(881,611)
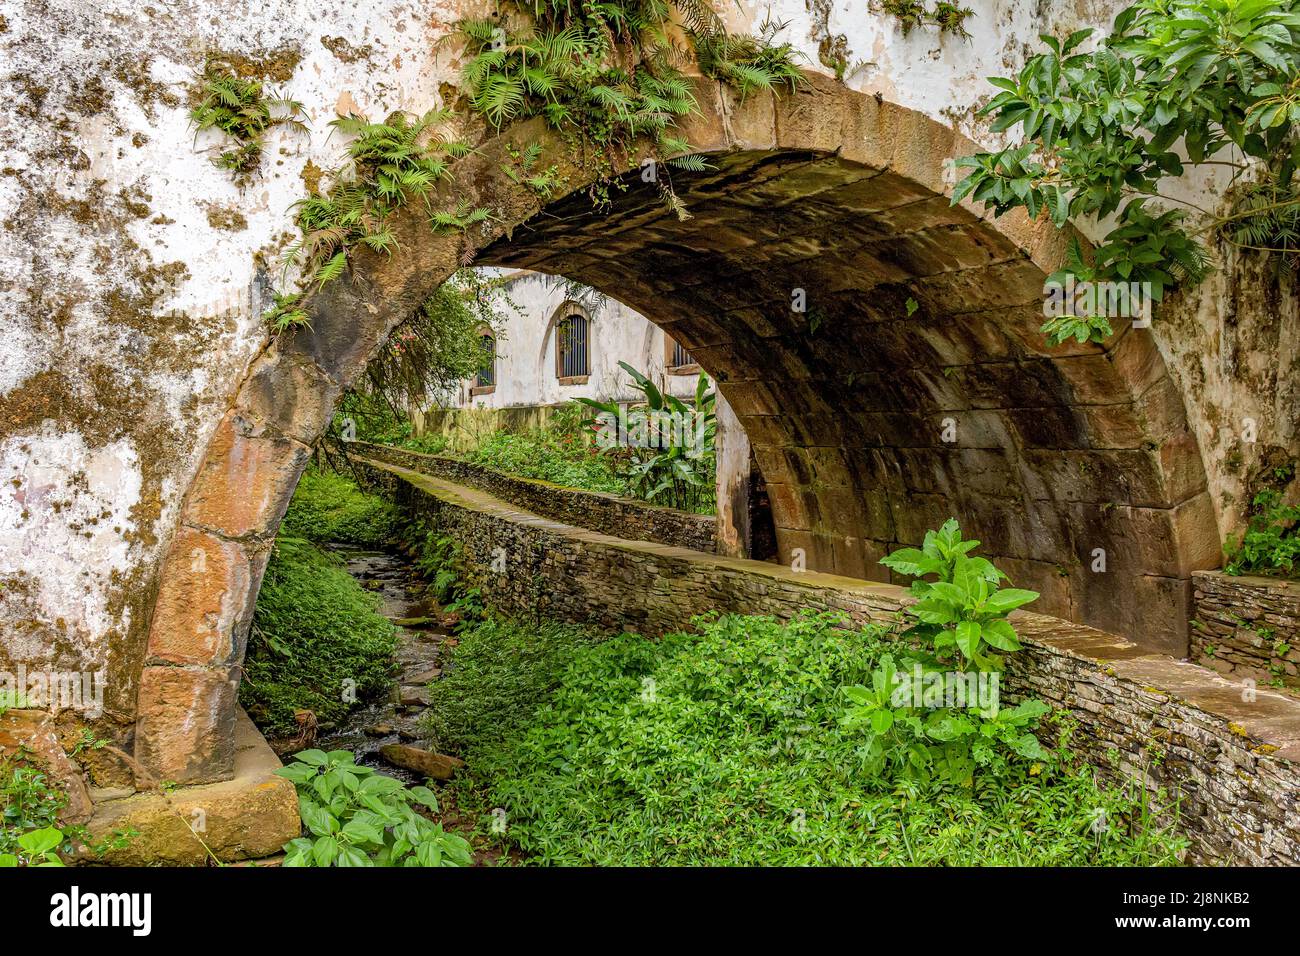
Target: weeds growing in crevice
(243,110)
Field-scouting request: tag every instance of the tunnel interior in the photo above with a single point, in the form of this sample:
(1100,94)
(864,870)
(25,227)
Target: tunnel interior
(882,351)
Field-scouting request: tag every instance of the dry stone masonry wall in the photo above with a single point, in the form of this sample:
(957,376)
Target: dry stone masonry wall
(1227,752)
(621,517)
(1248,627)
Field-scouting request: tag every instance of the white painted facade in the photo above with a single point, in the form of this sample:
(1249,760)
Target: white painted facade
(526,372)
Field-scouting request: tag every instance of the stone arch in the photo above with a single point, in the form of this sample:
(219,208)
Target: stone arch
(917,312)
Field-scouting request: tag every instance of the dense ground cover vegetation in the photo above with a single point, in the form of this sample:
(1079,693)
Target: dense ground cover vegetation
(746,741)
(318,642)
(730,746)
(31,804)
(504,670)
(558,453)
(670,470)
(328,506)
(357,817)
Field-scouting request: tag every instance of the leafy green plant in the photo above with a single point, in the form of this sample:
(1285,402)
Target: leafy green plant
(425,357)
(1101,132)
(523,170)
(286,313)
(28,800)
(357,817)
(241,109)
(750,64)
(670,456)
(36,848)
(907,740)
(965,609)
(1271,542)
(1089,328)
(30,804)
(439,560)
(560,452)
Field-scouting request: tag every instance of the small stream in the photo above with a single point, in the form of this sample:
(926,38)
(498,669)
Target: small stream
(422,630)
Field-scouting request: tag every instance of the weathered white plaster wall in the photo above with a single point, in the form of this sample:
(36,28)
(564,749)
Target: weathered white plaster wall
(133,272)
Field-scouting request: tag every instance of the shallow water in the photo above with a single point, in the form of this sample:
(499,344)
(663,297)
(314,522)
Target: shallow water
(419,651)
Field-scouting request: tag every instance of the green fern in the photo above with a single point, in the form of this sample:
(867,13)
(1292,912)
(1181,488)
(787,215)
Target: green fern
(388,164)
(286,313)
(751,64)
(241,110)
(1266,217)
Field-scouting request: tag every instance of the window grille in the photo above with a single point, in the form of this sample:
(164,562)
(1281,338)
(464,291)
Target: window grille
(572,345)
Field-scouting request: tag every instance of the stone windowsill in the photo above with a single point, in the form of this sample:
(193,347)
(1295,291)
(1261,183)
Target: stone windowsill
(574,379)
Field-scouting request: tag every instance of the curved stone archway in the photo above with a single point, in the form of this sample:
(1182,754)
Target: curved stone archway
(912,386)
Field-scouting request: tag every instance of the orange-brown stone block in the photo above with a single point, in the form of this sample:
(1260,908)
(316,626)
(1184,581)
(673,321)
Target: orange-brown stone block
(185,724)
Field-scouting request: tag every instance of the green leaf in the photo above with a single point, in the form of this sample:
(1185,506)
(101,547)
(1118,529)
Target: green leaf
(325,850)
(1000,634)
(968,637)
(38,842)
(1008,599)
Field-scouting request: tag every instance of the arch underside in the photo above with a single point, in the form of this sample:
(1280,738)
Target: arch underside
(920,324)
(913,386)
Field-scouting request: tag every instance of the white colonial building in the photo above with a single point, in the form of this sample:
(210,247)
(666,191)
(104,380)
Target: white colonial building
(558,343)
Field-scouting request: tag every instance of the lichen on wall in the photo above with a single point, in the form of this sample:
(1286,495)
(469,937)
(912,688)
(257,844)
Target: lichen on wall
(133,274)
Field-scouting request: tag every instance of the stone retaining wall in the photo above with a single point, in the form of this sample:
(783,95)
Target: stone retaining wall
(1157,720)
(1248,627)
(621,517)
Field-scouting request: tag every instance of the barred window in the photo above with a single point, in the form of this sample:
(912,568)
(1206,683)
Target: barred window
(680,356)
(487,370)
(571,347)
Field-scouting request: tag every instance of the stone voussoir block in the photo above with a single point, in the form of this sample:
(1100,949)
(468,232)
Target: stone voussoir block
(204,603)
(246,480)
(185,723)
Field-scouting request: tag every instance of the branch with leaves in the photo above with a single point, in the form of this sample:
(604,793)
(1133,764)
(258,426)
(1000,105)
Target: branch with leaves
(1103,133)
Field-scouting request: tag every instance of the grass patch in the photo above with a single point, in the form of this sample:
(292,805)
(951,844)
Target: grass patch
(318,641)
(327,506)
(551,456)
(504,671)
(727,747)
